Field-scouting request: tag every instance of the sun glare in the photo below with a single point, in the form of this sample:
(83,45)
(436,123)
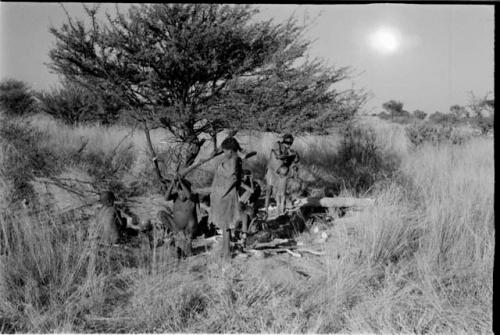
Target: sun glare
(385,40)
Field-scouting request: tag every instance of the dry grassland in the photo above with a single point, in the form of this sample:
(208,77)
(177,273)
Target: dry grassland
(420,261)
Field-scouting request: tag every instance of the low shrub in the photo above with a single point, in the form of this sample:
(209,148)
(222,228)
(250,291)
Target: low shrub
(358,163)
(428,132)
(23,158)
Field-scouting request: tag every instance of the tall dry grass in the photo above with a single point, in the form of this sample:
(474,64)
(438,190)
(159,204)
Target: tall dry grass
(420,261)
(98,139)
(432,241)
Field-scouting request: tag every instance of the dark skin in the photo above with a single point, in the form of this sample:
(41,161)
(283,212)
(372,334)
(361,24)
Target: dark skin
(283,157)
(185,219)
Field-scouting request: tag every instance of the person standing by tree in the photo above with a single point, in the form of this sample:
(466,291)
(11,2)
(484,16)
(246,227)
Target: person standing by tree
(184,222)
(281,154)
(224,200)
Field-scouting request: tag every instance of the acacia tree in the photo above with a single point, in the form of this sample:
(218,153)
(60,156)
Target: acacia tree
(201,68)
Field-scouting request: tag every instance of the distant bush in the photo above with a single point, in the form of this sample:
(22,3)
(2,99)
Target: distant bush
(16,97)
(384,116)
(427,132)
(419,114)
(357,165)
(445,119)
(404,118)
(25,159)
(484,123)
(75,104)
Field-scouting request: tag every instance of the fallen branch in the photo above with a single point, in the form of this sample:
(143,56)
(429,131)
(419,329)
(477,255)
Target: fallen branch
(206,241)
(335,202)
(274,243)
(294,254)
(317,253)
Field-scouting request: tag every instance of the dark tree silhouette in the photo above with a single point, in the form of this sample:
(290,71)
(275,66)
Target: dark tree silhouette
(201,68)
(16,98)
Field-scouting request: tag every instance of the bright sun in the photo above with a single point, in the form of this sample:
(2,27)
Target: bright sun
(385,40)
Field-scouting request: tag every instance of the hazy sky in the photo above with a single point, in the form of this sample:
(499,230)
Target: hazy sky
(426,56)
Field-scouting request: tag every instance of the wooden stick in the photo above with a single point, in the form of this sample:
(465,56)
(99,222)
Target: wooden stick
(317,253)
(273,243)
(201,162)
(294,254)
(155,159)
(335,202)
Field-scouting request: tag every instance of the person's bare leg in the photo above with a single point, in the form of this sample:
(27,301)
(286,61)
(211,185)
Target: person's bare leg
(244,229)
(226,252)
(269,189)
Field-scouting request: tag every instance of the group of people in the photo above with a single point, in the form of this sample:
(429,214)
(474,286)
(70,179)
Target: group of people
(233,197)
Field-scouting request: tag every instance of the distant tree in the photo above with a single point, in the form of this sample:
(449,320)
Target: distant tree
(194,68)
(384,116)
(460,111)
(16,98)
(394,108)
(74,103)
(484,110)
(481,106)
(443,118)
(421,115)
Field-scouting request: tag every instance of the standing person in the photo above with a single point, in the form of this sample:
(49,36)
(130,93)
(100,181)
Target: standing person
(184,222)
(281,154)
(224,200)
(281,188)
(250,192)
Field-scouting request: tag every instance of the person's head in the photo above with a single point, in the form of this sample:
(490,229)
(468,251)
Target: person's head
(282,170)
(287,140)
(230,146)
(107,198)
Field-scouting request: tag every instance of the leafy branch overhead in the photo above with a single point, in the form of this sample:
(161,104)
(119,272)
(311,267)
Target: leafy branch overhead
(200,68)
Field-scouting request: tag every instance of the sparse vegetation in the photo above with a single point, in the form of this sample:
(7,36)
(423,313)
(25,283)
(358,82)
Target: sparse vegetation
(420,261)
(428,132)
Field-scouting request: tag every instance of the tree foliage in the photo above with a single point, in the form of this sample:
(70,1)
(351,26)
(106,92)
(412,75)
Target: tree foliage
(394,108)
(483,109)
(16,98)
(195,68)
(419,114)
(74,103)
(460,111)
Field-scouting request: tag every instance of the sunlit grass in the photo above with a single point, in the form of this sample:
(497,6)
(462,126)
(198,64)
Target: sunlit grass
(419,261)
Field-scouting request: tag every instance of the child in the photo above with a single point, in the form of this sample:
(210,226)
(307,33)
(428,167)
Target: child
(183,223)
(247,203)
(108,220)
(281,184)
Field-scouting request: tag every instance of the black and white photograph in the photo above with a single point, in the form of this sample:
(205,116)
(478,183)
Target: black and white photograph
(242,168)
